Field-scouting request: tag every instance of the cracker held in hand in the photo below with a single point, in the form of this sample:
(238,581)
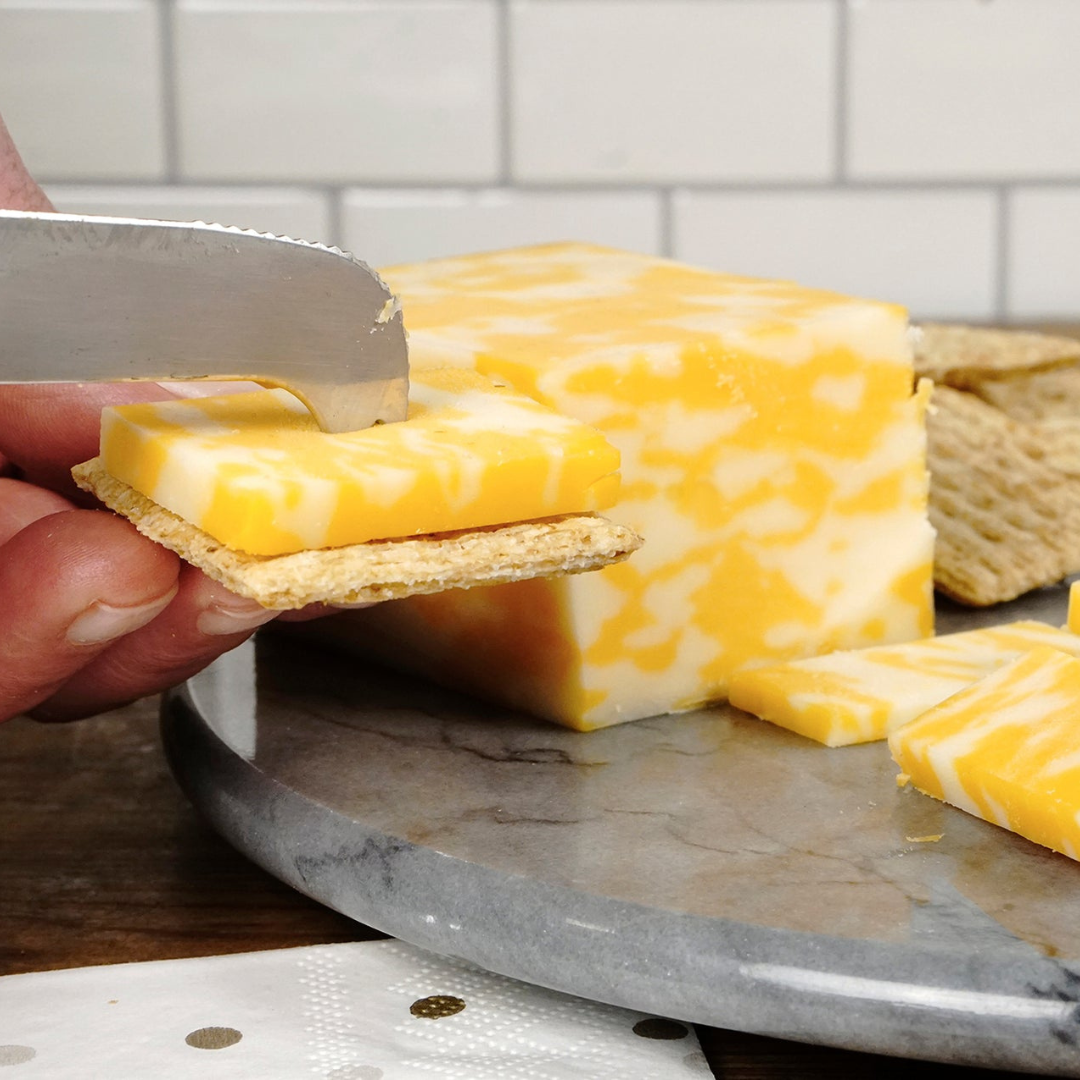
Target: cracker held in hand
(1007,520)
(379,569)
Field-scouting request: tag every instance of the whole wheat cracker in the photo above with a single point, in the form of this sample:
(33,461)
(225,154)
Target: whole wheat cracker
(1006,521)
(1057,443)
(380,569)
(964,356)
(1035,396)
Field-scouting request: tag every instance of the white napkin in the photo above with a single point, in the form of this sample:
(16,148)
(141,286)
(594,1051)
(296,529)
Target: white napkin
(375,1010)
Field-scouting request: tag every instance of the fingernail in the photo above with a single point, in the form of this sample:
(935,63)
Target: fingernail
(102,622)
(234,617)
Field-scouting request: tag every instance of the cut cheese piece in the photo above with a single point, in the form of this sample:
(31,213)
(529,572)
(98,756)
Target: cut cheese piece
(772,458)
(859,696)
(1074,607)
(1006,749)
(255,472)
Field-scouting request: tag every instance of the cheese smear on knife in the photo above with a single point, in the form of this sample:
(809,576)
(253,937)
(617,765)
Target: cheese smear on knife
(772,458)
(858,696)
(1006,749)
(256,473)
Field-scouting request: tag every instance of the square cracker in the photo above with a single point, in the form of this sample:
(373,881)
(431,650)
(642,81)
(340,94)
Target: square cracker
(379,569)
(1056,442)
(1036,396)
(1007,519)
(964,356)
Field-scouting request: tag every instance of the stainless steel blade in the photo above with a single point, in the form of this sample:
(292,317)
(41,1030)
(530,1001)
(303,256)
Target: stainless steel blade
(95,298)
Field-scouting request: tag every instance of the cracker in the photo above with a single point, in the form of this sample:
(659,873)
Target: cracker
(1007,520)
(963,356)
(1057,443)
(379,569)
(1035,396)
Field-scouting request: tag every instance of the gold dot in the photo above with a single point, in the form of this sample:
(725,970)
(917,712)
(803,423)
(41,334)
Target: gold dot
(213,1038)
(437,1006)
(355,1072)
(14,1054)
(655,1028)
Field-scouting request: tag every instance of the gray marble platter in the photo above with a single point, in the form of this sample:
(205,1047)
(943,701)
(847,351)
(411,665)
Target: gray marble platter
(708,867)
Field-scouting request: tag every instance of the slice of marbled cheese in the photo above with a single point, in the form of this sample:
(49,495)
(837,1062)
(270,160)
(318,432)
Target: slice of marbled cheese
(772,457)
(1006,749)
(255,472)
(858,696)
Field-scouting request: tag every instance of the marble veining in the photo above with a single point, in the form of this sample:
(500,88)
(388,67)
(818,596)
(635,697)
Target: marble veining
(708,867)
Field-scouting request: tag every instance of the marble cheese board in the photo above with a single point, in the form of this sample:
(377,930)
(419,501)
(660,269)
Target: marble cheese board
(708,867)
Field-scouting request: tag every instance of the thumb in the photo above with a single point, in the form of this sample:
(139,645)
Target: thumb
(73,582)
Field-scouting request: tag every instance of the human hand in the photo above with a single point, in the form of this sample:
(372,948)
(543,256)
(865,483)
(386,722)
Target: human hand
(92,614)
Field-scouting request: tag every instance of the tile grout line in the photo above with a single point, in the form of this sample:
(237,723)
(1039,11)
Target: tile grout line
(765,188)
(840,110)
(503,81)
(667,221)
(1001,284)
(335,215)
(167,57)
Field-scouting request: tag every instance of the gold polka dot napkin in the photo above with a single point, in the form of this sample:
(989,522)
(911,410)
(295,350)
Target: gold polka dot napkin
(376,1010)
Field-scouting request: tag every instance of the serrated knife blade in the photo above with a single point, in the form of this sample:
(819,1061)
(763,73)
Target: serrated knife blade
(102,298)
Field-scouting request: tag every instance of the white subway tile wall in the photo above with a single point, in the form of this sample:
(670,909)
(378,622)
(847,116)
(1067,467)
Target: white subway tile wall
(335,92)
(1044,242)
(81,87)
(297,212)
(620,90)
(924,151)
(859,242)
(956,89)
(402,226)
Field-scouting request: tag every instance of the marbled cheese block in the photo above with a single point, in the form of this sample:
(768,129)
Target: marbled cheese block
(772,458)
(858,696)
(1006,749)
(255,472)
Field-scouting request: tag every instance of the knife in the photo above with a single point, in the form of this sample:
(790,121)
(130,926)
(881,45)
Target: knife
(84,299)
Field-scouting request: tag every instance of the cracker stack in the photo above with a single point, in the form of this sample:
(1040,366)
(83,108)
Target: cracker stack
(1004,453)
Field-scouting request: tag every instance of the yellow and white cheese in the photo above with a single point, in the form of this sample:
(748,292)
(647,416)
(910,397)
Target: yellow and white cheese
(1006,749)
(255,472)
(857,696)
(772,458)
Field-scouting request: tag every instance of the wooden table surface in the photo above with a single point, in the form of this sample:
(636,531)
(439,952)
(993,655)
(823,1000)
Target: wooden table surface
(103,861)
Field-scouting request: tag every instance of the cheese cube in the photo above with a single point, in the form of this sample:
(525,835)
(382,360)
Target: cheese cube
(1006,749)
(772,458)
(1074,607)
(256,473)
(854,697)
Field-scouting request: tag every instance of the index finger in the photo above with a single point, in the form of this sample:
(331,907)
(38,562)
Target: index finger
(46,428)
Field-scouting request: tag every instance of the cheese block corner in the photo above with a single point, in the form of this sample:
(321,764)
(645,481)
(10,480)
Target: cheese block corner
(773,459)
